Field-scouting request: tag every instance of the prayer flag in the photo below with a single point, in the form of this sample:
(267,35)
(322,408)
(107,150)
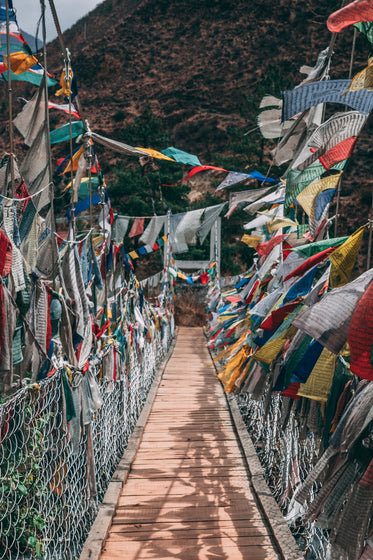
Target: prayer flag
(309,95)
(137,227)
(360,336)
(363,79)
(155,154)
(133,255)
(200,168)
(312,248)
(251,240)
(329,319)
(338,153)
(343,259)
(180,156)
(307,198)
(360,10)
(318,384)
(278,223)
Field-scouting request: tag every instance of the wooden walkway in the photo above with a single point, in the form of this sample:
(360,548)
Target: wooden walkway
(188,495)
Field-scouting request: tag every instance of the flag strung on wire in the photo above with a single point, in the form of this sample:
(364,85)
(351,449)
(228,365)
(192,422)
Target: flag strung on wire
(301,98)
(343,259)
(24,66)
(200,168)
(366,28)
(307,197)
(180,156)
(340,152)
(360,336)
(360,10)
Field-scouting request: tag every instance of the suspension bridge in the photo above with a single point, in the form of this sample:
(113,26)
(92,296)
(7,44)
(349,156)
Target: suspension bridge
(189,484)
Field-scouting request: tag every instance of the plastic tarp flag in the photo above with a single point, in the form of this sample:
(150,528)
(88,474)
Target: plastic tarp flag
(303,97)
(210,216)
(137,227)
(180,156)
(307,198)
(187,229)
(251,240)
(200,168)
(333,131)
(62,133)
(117,146)
(155,154)
(360,337)
(153,230)
(317,386)
(360,10)
(328,320)
(343,259)
(340,152)
(232,178)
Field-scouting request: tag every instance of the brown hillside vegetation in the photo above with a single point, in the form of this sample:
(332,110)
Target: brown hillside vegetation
(203,66)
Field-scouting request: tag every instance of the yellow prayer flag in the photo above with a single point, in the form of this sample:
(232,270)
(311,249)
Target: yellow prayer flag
(317,386)
(20,62)
(343,259)
(363,79)
(165,238)
(251,240)
(269,351)
(279,223)
(155,154)
(307,198)
(133,255)
(181,275)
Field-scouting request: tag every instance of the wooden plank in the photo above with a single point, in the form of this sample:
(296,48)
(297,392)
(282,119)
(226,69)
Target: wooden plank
(173,514)
(240,526)
(166,550)
(188,495)
(210,537)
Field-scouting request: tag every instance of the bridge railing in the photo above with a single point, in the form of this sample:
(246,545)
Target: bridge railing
(59,447)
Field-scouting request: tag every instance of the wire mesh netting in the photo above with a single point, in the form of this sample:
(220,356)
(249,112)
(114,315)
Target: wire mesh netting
(287,455)
(52,478)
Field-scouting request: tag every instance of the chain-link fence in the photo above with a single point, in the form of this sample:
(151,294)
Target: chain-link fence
(53,474)
(287,454)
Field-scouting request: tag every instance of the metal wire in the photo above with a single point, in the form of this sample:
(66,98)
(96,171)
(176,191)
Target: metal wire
(46,505)
(286,459)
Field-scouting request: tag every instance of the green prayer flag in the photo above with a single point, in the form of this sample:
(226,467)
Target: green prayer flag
(313,248)
(62,133)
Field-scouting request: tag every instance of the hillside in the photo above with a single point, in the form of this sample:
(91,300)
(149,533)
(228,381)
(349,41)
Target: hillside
(202,67)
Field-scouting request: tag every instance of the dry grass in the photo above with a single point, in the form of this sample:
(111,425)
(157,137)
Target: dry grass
(189,308)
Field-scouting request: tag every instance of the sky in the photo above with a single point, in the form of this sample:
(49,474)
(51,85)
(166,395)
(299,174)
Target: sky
(68,11)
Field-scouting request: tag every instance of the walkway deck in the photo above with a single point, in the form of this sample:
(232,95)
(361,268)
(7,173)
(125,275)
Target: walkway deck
(188,495)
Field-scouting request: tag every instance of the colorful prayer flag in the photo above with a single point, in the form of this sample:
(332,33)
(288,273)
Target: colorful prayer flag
(343,259)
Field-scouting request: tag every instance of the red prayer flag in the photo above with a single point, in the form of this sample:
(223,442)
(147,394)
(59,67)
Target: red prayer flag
(202,168)
(266,248)
(340,152)
(205,278)
(360,336)
(277,316)
(360,10)
(137,227)
(310,263)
